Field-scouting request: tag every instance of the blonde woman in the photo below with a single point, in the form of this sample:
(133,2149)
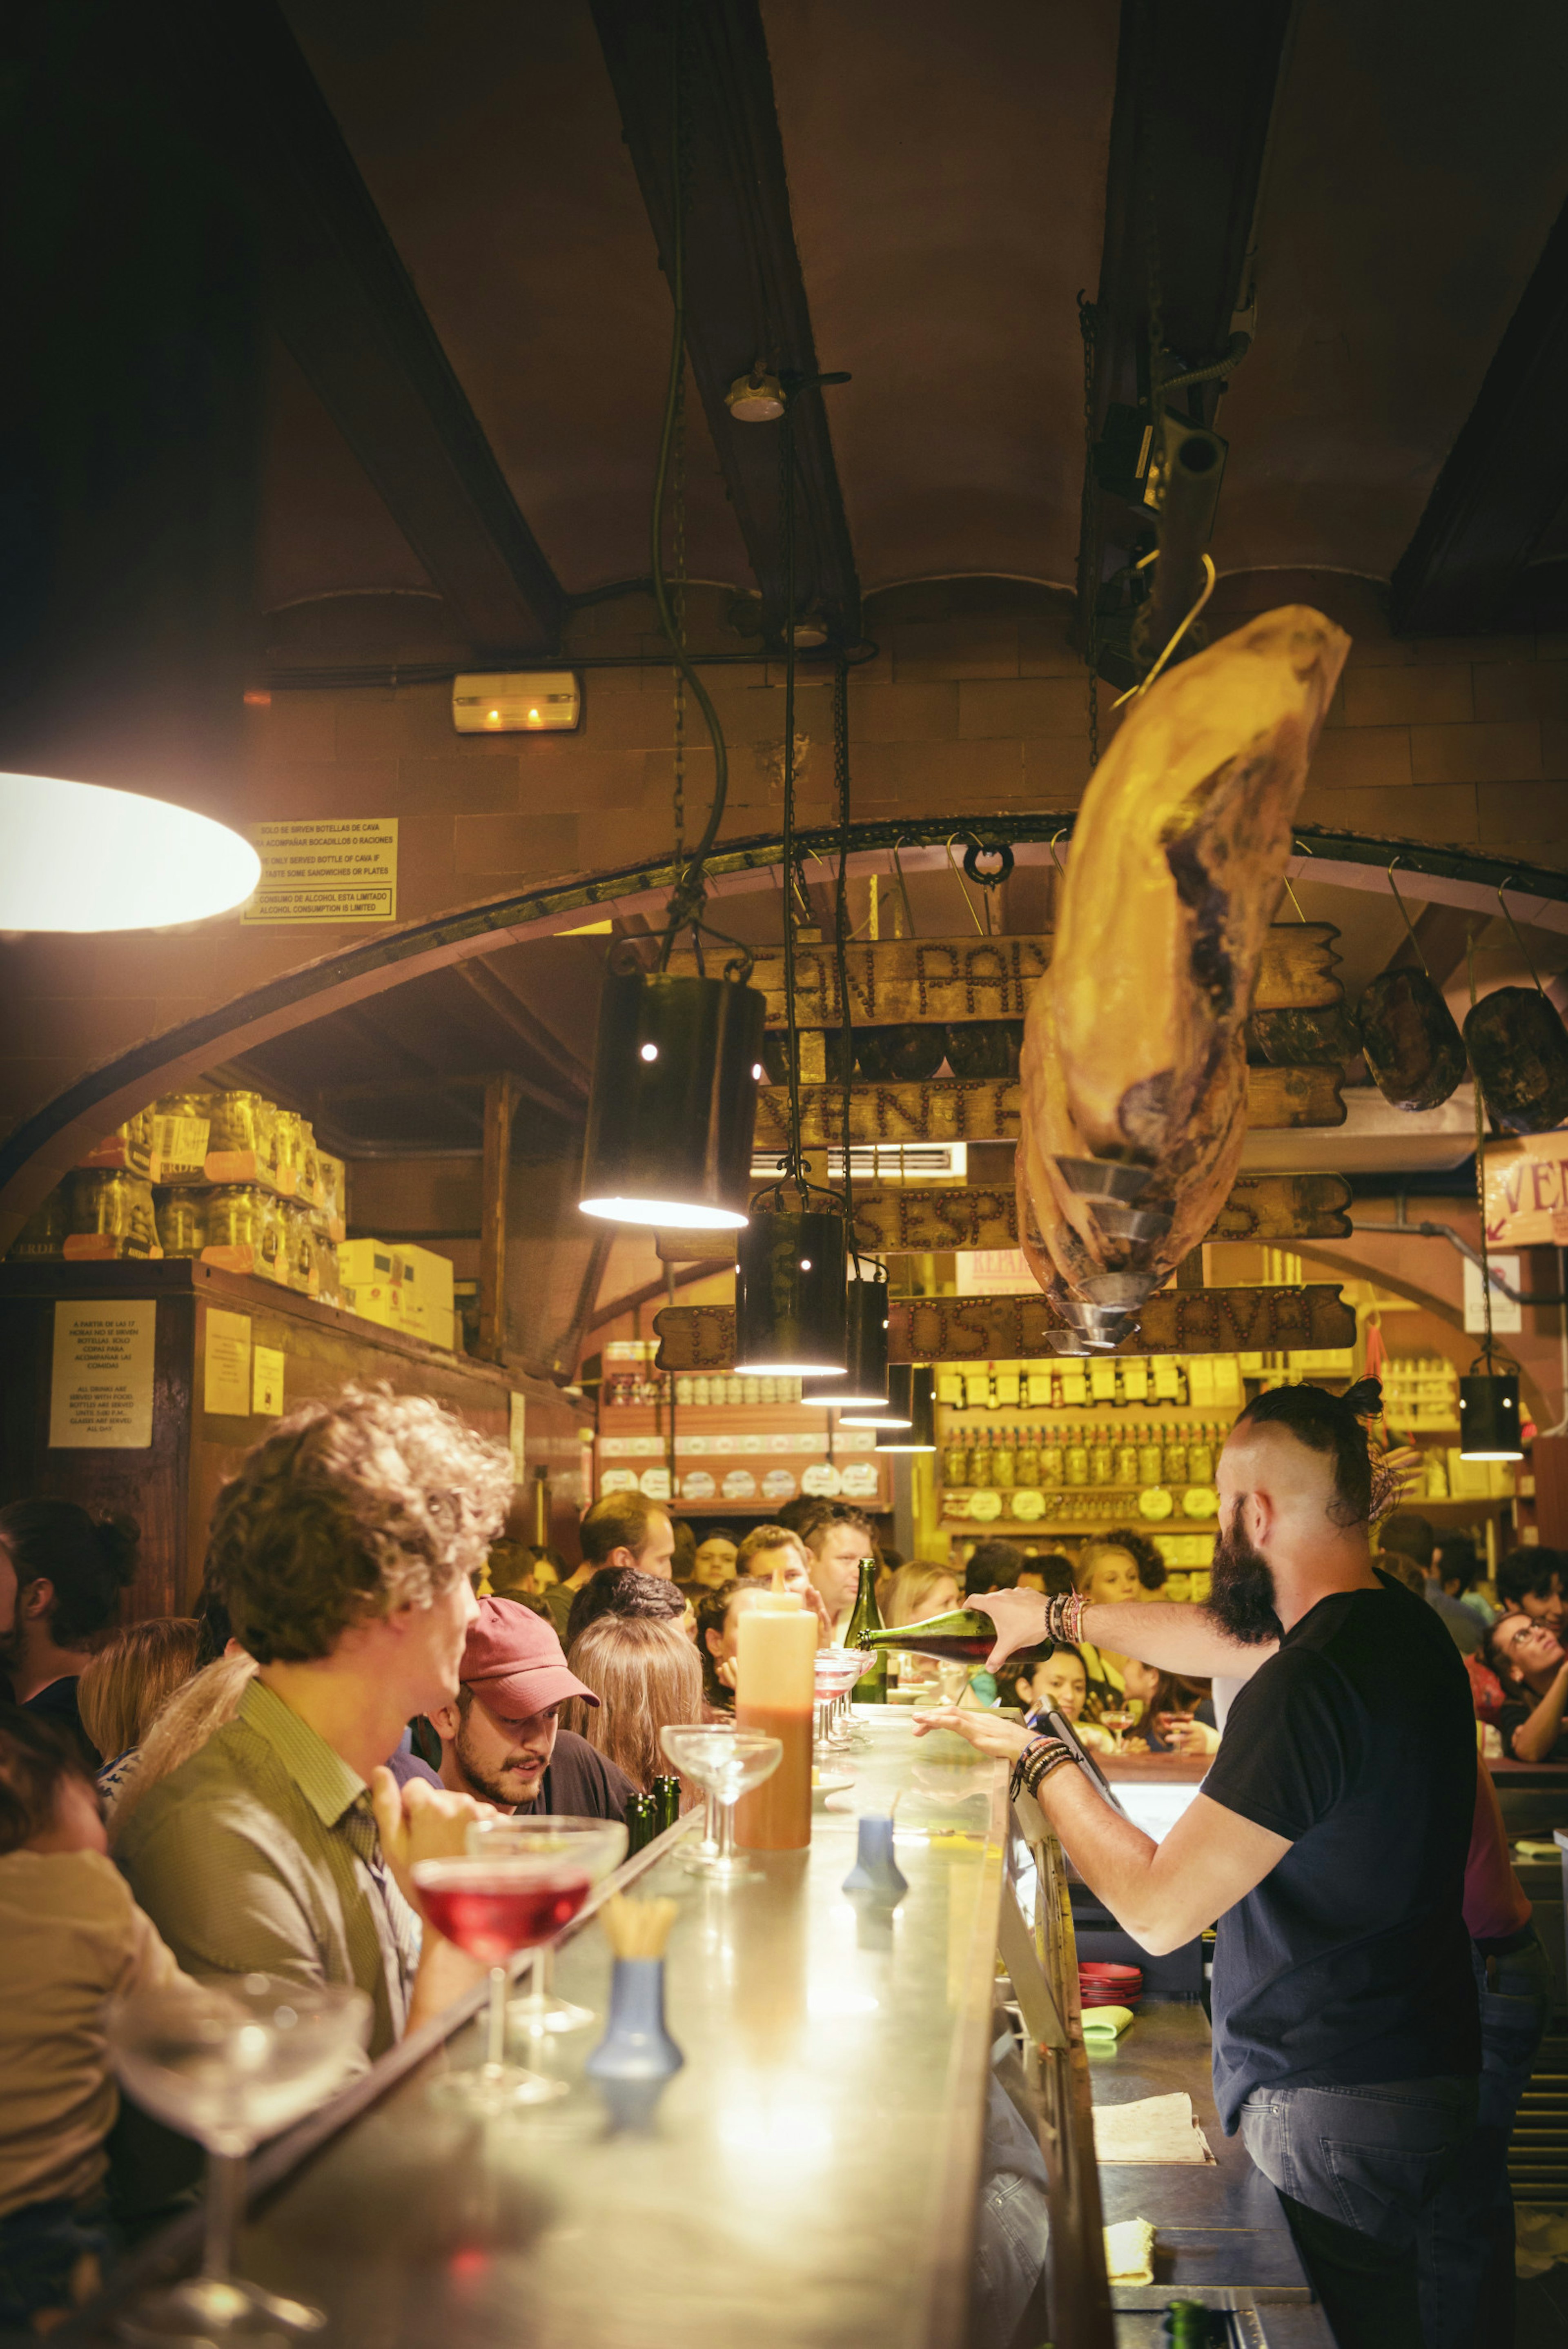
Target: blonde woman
(645,1675)
(192,1715)
(1107,1575)
(918,1591)
(128,1683)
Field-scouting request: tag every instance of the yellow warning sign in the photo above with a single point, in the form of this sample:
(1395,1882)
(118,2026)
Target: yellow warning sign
(345,870)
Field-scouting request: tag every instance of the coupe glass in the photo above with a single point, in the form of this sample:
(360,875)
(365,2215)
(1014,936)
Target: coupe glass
(229,2065)
(496,1903)
(600,1846)
(1117,1720)
(836,1669)
(726,1763)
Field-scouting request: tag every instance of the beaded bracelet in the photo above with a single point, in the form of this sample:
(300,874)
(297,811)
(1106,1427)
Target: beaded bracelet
(1035,1764)
(1065,1617)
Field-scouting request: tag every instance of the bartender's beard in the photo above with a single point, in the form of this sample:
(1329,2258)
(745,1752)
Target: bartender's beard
(1241,1596)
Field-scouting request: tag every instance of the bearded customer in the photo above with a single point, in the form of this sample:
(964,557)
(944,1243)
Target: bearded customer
(1329,1840)
(502,1741)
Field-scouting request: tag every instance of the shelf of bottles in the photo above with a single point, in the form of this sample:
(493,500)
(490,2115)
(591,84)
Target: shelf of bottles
(1421,1407)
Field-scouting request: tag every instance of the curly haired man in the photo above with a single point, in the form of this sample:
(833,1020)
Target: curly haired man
(345,1550)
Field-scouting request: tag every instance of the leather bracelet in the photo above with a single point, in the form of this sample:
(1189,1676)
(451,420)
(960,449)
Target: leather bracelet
(1035,1764)
(1065,1617)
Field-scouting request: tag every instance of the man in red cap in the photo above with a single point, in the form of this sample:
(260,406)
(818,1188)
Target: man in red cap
(502,1741)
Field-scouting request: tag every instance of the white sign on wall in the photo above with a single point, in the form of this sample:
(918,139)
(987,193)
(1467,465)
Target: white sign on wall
(101,1391)
(1506,1313)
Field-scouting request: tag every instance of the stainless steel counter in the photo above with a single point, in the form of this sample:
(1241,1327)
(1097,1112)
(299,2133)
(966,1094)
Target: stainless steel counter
(809,2178)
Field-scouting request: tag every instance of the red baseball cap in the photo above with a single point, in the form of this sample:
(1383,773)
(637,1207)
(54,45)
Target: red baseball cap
(513,1657)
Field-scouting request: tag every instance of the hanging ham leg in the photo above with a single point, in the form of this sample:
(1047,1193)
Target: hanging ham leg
(1134,1049)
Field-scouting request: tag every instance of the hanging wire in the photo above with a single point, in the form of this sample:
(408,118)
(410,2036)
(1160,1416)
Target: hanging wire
(902,887)
(687,895)
(1088,526)
(1518,941)
(1208,577)
(1409,925)
(794,1165)
(958,877)
(1480,1161)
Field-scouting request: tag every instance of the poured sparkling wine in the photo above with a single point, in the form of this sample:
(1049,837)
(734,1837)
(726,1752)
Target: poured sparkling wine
(493,1916)
(961,1636)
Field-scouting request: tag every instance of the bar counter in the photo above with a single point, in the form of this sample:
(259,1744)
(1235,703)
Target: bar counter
(810,2176)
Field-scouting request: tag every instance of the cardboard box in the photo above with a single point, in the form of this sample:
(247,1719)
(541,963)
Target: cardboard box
(425,1282)
(377,1301)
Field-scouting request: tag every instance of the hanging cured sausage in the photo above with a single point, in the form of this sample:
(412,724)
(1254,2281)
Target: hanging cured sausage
(1410,1038)
(1133,1067)
(1519,1050)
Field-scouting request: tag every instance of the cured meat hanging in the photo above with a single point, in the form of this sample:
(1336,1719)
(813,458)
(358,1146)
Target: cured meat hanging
(1134,1066)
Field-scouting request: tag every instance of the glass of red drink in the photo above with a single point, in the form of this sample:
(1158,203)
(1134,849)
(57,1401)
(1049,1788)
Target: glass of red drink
(495,1904)
(600,1846)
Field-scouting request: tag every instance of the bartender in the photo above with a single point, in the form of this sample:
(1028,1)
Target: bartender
(1328,1845)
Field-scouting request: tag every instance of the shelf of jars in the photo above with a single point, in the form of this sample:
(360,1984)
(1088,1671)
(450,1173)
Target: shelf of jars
(742,1446)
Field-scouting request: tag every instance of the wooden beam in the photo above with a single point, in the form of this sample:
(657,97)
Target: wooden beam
(986,1108)
(746,295)
(500,1101)
(1200,108)
(498,998)
(343,302)
(1504,481)
(704,1269)
(905,981)
(1015,1328)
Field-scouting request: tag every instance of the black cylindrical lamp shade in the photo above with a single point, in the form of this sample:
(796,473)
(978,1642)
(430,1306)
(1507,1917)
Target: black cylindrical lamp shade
(790,1305)
(921,1435)
(865,1384)
(897,1410)
(674,1100)
(1489,1418)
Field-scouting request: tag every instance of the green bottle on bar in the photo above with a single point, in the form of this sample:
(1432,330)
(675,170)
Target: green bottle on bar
(865,1621)
(961,1637)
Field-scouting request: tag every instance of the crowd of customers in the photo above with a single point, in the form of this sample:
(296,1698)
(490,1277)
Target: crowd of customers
(247,1788)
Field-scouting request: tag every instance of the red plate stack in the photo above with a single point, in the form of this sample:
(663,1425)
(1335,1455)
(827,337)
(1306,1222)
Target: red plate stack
(1106,1985)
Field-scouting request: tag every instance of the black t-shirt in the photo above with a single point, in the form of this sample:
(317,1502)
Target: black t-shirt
(580,1784)
(1349,1964)
(58,1703)
(1514,1715)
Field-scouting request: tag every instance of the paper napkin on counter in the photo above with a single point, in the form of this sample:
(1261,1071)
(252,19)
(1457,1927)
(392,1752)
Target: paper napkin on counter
(1155,2128)
(1129,2252)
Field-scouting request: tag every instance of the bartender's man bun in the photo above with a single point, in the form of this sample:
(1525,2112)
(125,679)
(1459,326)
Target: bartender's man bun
(85,1561)
(1329,1423)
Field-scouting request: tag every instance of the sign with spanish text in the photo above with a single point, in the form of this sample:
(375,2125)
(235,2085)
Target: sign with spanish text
(101,1388)
(994,1272)
(1527,1191)
(227,1368)
(340,870)
(267,1381)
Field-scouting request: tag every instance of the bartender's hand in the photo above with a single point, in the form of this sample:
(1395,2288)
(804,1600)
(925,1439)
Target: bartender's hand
(420,1822)
(1019,1617)
(987,1732)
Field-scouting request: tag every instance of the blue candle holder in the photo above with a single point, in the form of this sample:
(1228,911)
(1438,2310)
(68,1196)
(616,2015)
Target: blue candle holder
(636,2045)
(876,1871)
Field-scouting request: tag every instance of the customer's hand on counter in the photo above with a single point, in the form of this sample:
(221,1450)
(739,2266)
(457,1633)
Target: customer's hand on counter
(421,1822)
(987,1732)
(1019,1618)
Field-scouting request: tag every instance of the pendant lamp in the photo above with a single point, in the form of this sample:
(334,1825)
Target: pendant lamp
(1489,1416)
(865,1384)
(674,1100)
(80,856)
(897,1410)
(790,1310)
(921,1434)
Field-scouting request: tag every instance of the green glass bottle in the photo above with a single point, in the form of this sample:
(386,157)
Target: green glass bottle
(641,1822)
(666,1801)
(866,1618)
(961,1637)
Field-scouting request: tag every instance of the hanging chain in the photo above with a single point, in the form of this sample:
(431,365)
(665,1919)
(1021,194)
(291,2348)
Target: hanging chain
(1481,1158)
(1151,219)
(678,604)
(1088,528)
(794,1164)
(841,918)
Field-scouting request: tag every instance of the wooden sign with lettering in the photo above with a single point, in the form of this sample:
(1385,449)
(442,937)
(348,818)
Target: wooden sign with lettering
(895,981)
(914,1220)
(987,1109)
(1014,1329)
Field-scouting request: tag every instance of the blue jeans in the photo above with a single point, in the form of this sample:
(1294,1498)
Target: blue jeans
(1011,2236)
(1467,2229)
(1355,2168)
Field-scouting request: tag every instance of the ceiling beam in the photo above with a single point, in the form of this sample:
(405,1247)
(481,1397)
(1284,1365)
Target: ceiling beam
(514,1013)
(339,296)
(1191,116)
(746,295)
(1506,477)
